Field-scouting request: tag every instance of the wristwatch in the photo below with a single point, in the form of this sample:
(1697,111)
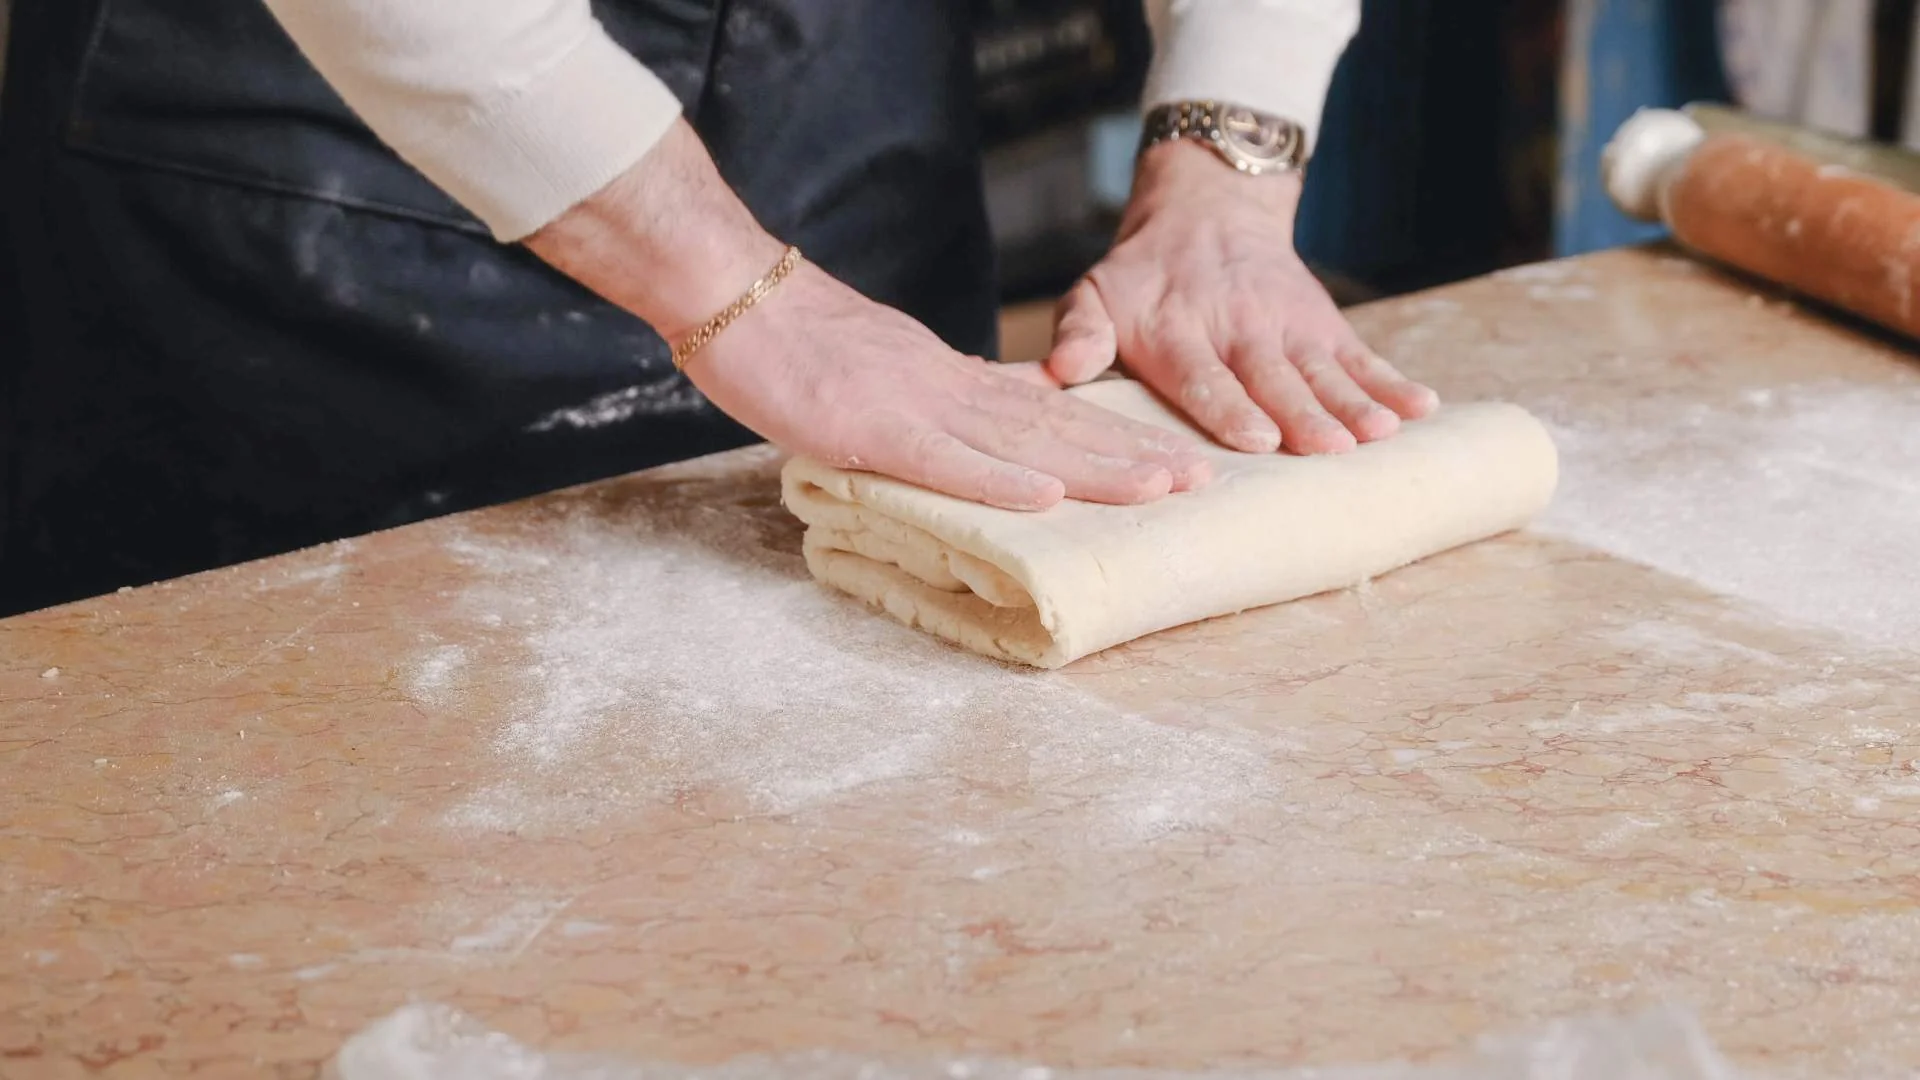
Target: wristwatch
(1251,141)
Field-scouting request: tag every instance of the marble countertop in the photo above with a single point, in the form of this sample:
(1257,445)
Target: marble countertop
(608,771)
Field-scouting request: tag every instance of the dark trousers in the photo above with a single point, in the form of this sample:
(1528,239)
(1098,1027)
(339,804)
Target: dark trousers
(233,324)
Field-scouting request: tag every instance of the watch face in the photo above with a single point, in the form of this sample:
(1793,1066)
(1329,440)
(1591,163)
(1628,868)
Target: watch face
(1262,140)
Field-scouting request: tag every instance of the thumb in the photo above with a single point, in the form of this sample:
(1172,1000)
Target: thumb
(1084,340)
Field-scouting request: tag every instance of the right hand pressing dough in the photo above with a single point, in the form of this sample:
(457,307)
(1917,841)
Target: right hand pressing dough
(1046,589)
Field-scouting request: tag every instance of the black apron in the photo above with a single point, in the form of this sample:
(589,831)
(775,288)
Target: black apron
(235,324)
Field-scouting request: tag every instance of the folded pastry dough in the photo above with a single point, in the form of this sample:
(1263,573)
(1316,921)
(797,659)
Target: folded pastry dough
(1049,588)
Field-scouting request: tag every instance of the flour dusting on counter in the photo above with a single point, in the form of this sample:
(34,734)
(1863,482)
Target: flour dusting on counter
(1804,499)
(681,650)
(435,675)
(434,1042)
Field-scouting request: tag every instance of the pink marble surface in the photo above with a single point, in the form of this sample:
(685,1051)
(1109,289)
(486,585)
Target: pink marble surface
(608,771)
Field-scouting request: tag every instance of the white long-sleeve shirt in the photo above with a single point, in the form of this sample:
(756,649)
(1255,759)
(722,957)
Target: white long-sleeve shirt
(519,109)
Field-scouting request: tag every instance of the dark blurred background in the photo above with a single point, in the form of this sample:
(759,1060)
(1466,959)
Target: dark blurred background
(1460,136)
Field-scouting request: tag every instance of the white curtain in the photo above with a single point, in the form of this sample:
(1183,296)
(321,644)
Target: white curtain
(1807,62)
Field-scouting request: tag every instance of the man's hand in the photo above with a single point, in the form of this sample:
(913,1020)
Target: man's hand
(820,370)
(1204,299)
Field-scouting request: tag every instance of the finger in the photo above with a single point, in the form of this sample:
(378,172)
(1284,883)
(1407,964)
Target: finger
(1305,426)
(1084,339)
(1339,395)
(1025,437)
(1186,370)
(1110,435)
(1104,432)
(1384,383)
(937,460)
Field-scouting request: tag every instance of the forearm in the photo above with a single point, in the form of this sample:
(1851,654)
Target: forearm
(666,239)
(1276,56)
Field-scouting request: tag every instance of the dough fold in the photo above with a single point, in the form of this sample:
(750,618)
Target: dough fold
(1048,588)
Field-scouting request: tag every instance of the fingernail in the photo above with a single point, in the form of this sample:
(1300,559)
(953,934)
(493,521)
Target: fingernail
(1322,435)
(1380,421)
(1031,490)
(1254,440)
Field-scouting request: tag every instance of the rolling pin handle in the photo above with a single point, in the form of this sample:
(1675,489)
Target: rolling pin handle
(1647,150)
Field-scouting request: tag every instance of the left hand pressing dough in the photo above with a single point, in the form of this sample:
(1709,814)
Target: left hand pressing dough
(1046,589)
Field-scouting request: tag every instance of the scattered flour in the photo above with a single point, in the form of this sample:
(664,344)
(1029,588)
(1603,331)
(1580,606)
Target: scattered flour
(327,574)
(1804,500)
(435,1042)
(433,677)
(511,930)
(1684,645)
(684,651)
(1561,292)
(1435,305)
(1628,828)
(648,399)
(324,574)
(1551,272)
(1801,696)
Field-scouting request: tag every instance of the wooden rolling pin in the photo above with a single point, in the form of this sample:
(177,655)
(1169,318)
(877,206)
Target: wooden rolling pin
(1895,164)
(1817,228)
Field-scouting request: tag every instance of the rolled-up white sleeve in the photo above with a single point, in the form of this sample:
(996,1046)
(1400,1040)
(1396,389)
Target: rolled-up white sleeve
(518,109)
(1276,56)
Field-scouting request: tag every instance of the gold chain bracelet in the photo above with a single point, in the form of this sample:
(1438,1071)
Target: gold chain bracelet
(755,293)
